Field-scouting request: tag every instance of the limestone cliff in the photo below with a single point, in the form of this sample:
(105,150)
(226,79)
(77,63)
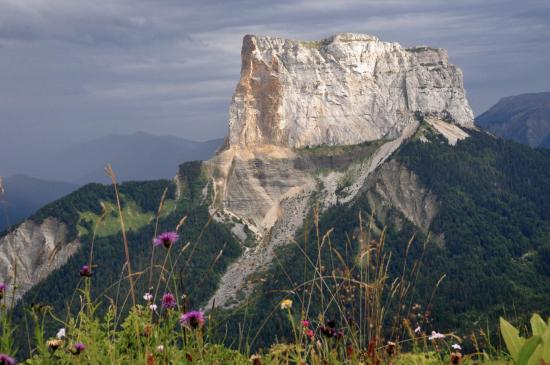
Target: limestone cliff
(31,252)
(298,109)
(343,90)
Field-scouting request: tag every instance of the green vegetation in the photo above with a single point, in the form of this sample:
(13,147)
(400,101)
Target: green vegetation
(194,269)
(162,328)
(487,256)
(495,218)
(532,351)
(108,223)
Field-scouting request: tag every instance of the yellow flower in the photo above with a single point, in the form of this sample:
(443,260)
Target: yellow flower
(54,344)
(286,304)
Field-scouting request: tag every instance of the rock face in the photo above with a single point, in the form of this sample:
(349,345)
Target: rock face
(523,118)
(298,115)
(343,90)
(33,251)
(393,185)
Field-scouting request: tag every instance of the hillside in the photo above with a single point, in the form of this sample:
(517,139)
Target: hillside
(522,118)
(490,236)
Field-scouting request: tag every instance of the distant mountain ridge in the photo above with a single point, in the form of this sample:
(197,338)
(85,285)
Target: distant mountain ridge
(522,118)
(25,194)
(137,156)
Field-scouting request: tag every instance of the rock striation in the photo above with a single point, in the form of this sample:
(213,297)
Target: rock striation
(296,104)
(343,90)
(31,252)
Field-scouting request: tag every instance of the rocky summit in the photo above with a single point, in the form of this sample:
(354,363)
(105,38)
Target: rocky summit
(297,101)
(346,89)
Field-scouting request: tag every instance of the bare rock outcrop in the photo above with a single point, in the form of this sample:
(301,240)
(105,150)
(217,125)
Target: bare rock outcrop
(343,90)
(33,251)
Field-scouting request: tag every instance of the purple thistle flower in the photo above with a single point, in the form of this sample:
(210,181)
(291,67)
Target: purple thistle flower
(2,290)
(167,239)
(193,319)
(7,360)
(78,348)
(85,271)
(168,301)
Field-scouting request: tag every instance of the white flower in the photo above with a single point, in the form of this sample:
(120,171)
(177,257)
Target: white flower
(148,297)
(456,346)
(153,307)
(61,333)
(436,335)
(160,348)
(417,329)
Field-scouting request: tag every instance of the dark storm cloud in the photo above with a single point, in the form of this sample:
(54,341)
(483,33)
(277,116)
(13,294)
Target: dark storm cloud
(72,70)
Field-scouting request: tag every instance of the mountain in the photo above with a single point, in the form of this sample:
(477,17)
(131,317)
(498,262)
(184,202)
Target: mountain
(23,195)
(522,118)
(320,135)
(137,156)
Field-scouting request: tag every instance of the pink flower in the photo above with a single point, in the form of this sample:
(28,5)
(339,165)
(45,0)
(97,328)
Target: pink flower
(193,319)
(166,239)
(78,348)
(436,336)
(309,333)
(6,360)
(168,301)
(85,271)
(305,323)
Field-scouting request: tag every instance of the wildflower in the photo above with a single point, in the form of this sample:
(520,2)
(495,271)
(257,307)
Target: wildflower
(390,348)
(456,346)
(417,330)
(78,348)
(256,360)
(160,348)
(168,301)
(286,304)
(153,307)
(2,290)
(85,271)
(147,330)
(193,319)
(167,239)
(148,297)
(6,360)
(61,333)
(309,333)
(436,335)
(456,358)
(54,343)
(349,351)
(305,323)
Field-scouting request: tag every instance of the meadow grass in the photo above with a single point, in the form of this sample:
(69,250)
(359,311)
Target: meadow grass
(387,327)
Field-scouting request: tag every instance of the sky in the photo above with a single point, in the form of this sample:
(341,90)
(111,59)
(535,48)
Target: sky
(74,70)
